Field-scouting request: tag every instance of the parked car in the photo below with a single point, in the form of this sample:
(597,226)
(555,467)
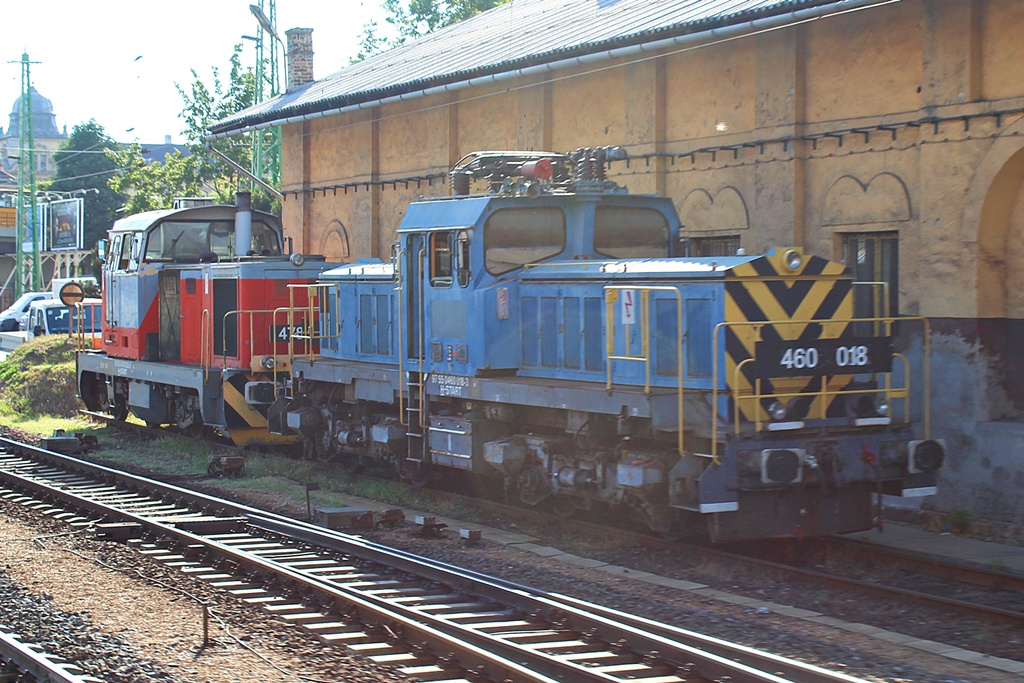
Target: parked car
(12,318)
(51,316)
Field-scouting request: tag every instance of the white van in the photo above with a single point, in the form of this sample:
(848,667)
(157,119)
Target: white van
(51,316)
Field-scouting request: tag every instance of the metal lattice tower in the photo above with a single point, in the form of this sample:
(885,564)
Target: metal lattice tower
(266,151)
(28,271)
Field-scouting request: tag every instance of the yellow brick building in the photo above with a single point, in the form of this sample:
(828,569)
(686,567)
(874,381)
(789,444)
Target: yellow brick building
(888,134)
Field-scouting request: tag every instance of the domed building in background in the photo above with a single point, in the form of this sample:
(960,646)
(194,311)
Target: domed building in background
(46,137)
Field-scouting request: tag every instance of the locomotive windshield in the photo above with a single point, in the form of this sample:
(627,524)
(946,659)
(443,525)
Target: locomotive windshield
(515,237)
(177,240)
(630,232)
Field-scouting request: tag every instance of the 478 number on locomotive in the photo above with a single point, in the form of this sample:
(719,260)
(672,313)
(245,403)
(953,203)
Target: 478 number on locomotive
(812,357)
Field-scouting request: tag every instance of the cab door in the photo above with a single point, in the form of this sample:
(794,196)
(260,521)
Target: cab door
(170,315)
(415,254)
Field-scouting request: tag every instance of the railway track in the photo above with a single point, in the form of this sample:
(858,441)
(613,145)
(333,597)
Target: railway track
(986,594)
(424,617)
(19,659)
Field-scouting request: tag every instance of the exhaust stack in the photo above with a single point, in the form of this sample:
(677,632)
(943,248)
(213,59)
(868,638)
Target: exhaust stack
(243,224)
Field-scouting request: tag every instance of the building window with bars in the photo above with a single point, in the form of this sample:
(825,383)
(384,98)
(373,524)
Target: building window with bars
(714,246)
(873,258)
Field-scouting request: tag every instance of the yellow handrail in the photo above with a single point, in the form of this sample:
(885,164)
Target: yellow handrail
(421,255)
(205,344)
(890,392)
(610,297)
(400,350)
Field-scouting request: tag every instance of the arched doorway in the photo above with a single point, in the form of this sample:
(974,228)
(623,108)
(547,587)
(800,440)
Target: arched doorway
(996,206)
(994,213)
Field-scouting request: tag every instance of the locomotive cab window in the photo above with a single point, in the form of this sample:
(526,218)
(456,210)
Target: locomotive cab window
(628,232)
(190,240)
(121,253)
(441,259)
(516,237)
(461,258)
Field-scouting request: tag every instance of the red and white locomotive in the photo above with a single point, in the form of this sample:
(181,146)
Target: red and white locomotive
(196,322)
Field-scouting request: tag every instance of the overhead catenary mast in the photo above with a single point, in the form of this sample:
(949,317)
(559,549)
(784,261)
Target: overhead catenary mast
(28,269)
(266,152)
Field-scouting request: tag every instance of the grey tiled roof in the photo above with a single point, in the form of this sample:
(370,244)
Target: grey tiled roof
(520,34)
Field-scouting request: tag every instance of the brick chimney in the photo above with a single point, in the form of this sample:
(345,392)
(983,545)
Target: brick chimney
(300,57)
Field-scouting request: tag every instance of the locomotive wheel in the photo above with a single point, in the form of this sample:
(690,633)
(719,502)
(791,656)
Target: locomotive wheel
(411,473)
(94,393)
(195,427)
(120,409)
(354,465)
(187,415)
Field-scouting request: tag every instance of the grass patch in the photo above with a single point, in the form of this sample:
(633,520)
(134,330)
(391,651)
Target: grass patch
(45,425)
(38,378)
(960,520)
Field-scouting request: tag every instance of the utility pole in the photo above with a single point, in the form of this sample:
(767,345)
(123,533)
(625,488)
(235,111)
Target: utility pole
(27,219)
(266,152)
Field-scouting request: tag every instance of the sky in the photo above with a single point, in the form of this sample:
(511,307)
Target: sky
(117,61)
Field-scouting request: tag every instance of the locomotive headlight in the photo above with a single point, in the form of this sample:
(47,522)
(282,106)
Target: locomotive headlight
(926,455)
(297,259)
(267,363)
(777,410)
(793,259)
(882,408)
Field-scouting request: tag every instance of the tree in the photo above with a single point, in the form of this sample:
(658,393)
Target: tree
(417,18)
(198,173)
(83,164)
(154,186)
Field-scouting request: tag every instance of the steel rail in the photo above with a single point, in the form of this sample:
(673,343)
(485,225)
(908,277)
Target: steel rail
(486,653)
(710,657)
(13,651)
(363,606)
(640,632)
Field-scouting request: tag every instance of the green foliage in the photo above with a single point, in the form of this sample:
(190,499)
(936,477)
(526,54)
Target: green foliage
(199,173)
(38,378)
(83,165)
(154,186)
(414,18)
(959,520)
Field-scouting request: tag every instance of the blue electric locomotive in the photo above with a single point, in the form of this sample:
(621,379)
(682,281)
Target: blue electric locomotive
(550,338)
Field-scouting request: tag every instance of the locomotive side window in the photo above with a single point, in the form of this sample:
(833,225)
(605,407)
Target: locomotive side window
(114,255)
(123,251)
(137,240)
(515,237)
(462,258)
(441,259)
(628,232)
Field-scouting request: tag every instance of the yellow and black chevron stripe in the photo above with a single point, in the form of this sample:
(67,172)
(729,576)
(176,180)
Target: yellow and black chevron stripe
(247,423)
(768,301)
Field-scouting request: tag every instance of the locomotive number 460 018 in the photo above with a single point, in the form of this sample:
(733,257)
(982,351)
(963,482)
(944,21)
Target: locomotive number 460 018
(813,357)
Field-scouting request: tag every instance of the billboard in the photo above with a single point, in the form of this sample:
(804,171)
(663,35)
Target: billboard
(28,228)
(64,227)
